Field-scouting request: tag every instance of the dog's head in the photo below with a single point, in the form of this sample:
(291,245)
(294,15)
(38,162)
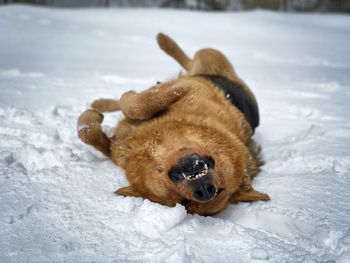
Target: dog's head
(194,177)
(194,166)
(204,178)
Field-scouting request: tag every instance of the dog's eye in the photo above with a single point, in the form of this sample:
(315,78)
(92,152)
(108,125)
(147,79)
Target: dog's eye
(209,161)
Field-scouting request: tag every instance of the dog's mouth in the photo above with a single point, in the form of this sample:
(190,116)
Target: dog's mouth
(196,175)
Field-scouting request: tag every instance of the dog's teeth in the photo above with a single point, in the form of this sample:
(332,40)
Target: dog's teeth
(196,176)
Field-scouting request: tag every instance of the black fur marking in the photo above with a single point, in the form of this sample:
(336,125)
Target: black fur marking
(237,97)
(184,202)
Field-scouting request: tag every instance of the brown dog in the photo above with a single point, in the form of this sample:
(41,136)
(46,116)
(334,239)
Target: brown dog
(187,140)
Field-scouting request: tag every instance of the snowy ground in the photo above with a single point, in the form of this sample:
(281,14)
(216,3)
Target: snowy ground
(56,201)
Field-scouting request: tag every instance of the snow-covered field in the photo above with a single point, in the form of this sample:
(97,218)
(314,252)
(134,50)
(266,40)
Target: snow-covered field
(56,194)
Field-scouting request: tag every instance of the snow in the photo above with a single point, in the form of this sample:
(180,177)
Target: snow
(56,194)
(259,254)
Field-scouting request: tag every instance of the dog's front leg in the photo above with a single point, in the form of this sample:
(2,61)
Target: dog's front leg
(144,105)
(105,105)
(90,131)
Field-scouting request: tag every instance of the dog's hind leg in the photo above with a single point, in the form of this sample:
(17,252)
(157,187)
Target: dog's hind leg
(90,131)
(206,61)
(172,49)
(210,61)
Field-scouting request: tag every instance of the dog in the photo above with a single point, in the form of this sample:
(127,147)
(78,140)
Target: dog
(187,140)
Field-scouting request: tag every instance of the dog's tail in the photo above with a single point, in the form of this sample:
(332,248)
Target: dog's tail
(172,49)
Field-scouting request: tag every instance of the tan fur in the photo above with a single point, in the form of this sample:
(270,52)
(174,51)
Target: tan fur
(175,118)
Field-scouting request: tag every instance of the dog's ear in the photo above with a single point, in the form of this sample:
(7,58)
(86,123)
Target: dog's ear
(249,196)
(127,191)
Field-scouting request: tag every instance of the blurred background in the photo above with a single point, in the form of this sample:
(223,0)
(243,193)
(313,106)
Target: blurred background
(218,5)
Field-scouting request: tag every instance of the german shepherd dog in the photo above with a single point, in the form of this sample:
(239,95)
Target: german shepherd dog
(187,140)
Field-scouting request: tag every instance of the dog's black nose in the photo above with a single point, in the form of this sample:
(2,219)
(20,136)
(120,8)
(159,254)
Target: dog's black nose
(203,190)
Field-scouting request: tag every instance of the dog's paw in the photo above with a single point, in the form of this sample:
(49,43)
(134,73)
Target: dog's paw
(165,42)
(90,117)
(90,131)
(105,105)
(89,125)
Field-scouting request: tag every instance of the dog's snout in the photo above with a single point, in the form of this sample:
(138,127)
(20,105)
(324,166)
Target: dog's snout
(203,190)
(191,167)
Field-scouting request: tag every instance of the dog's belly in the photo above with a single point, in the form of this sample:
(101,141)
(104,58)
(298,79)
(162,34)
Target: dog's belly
(206,105)
(203,106)
(237,97)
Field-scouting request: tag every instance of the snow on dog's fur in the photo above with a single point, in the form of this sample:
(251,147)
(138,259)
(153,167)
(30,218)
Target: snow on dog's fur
(187,140)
